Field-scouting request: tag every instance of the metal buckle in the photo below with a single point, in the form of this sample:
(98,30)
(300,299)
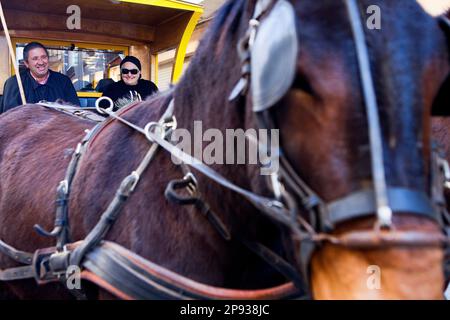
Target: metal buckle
(253,29)
(172,124)
(78,149)
(384,218)
(64,185)
(445,168)
(135,179)
(129,183)
(276,204)
(276,185)
(191,187)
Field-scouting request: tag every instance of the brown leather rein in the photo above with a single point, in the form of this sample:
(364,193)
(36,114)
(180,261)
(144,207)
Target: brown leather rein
(111,266)
(137,272)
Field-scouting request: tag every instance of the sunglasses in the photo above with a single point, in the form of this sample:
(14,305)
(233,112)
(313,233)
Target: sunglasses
(132,71)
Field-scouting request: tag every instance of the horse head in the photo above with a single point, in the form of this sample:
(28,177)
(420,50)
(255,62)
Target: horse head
(353,107)
(355,200)
(375,178)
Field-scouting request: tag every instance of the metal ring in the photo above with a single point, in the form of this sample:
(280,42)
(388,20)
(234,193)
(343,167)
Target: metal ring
(78,149)
(136,178)
(173,124)
(276,204)
(102,110)
(149,126)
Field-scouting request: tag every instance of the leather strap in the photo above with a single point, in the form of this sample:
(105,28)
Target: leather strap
(362,204)
(18,273)
(128,276)
(78,112)
(382,205)
(124,273)
(125,189)
(17,255)
(278,263)
(269,256)
(61,226)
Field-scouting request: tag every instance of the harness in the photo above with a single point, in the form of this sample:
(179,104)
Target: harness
(276,36)
(115,268)
(127,275)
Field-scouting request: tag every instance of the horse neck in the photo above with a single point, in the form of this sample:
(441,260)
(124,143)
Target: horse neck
(202,93)
(202,97)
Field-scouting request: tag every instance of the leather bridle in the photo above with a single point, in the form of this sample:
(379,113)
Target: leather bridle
(383,200)
(293,198)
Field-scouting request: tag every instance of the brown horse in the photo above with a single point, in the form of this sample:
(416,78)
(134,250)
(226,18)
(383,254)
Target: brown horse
(323,128)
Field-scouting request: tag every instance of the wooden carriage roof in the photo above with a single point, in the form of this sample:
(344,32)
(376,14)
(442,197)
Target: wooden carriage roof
(159,23)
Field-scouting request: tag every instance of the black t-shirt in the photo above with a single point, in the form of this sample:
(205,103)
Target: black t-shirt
(122,94)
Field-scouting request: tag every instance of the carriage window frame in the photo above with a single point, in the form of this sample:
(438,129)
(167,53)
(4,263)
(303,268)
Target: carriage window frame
(80,45)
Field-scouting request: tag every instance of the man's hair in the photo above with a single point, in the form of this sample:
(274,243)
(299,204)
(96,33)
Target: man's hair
(31,46)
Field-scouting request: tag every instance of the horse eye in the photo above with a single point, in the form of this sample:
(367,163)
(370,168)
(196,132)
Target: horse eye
(302,83)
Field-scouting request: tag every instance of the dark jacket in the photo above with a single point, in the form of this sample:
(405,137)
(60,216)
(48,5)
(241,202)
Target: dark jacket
(58,86)
(120,90)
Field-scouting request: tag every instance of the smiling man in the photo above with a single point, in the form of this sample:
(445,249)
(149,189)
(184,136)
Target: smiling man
(39,82)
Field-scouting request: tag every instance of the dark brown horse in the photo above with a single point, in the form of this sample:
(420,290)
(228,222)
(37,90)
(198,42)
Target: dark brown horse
(323,127)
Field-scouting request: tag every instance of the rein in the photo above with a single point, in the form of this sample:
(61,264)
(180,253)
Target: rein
(111,268)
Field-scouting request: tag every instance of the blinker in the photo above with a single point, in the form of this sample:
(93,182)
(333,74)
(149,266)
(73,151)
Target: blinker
(274,56)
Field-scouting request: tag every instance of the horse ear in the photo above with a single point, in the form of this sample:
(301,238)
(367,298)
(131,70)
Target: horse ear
(441,104)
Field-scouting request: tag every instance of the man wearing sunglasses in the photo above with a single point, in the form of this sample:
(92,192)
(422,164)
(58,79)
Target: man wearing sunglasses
(131,87)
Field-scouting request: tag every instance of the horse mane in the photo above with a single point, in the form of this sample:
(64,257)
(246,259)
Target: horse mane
(204,78)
